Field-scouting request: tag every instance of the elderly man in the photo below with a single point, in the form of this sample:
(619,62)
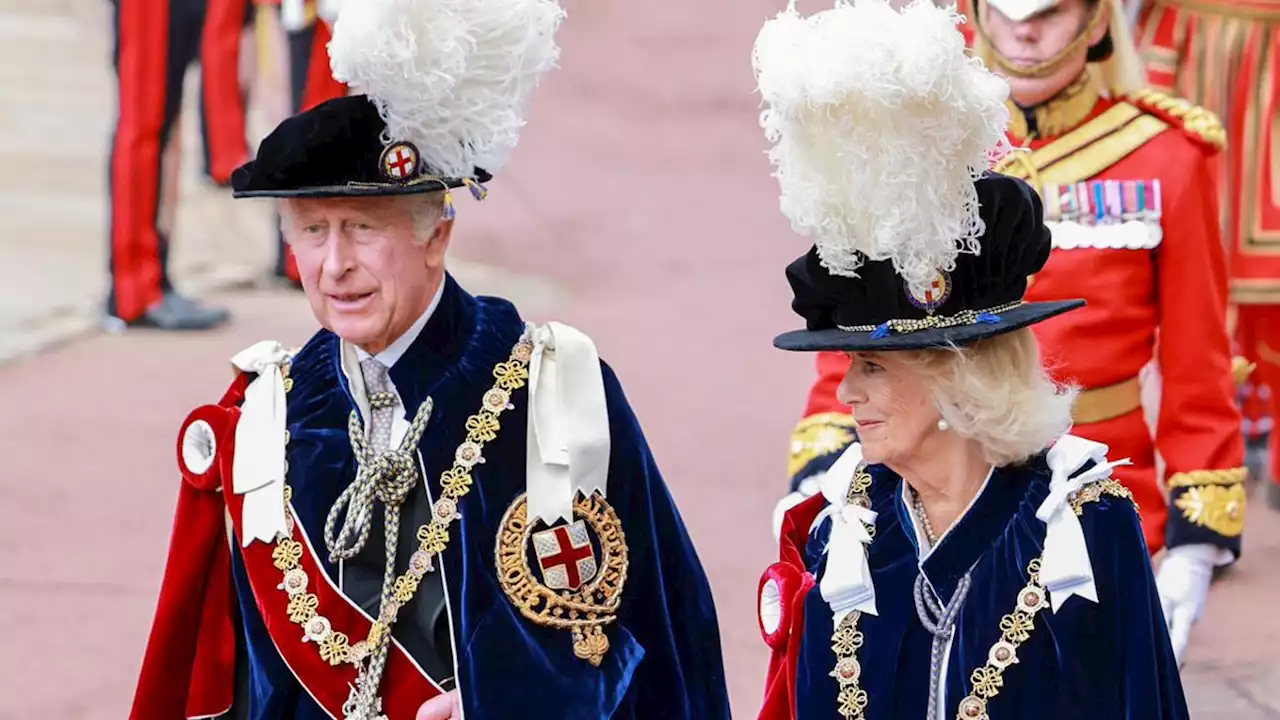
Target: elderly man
(432,509)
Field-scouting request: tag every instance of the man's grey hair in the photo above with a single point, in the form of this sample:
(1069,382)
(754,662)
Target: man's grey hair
(427,211)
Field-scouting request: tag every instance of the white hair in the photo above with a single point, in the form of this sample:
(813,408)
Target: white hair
(454,77)
(997,393)
(880,123)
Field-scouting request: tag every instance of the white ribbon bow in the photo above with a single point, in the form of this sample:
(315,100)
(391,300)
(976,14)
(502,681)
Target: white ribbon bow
(1065,569)
(846,582)
(568,436)
(258,467)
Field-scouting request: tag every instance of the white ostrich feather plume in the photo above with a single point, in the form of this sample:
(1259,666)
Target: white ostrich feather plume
(454,77)
(880,122)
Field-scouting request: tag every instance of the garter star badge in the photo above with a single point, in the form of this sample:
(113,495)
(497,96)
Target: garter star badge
(933,296)
(581,570)
(399,162)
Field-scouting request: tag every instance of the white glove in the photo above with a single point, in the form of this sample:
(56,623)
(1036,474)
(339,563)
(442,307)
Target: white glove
(1183,584)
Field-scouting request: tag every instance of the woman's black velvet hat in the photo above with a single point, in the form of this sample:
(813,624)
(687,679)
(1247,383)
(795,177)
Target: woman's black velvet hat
(337,149)
(980,298)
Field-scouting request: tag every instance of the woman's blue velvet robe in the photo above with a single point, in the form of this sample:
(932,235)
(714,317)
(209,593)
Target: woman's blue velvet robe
(665,658)
(1103,661)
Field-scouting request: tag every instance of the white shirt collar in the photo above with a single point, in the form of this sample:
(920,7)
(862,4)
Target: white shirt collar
(396,350)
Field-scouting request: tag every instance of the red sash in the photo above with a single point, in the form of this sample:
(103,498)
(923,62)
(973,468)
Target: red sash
(189,666)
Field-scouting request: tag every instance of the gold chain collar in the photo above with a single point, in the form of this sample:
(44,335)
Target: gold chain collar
(335,647)
(1015,627)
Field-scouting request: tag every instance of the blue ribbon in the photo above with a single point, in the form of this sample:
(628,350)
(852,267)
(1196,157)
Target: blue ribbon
(881,332)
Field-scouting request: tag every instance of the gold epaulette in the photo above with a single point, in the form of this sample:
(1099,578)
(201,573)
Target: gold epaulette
(1198,122)
(819,435)
(1094,491)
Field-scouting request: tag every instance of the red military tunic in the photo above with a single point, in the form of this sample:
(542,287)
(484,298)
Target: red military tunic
(1156,291)
(1215,52)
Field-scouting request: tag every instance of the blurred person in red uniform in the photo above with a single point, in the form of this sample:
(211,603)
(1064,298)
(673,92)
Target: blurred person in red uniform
(308,27)
(155,43)
(1223,55)
(1126,179)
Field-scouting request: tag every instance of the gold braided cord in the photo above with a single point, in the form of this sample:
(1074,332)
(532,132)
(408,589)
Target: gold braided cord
(1196,478)
(933,322)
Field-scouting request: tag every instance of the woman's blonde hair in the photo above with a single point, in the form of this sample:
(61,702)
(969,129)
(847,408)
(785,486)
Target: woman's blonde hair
(997,392)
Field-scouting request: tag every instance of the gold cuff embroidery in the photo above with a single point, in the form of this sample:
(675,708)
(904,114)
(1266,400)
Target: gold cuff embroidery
(1194,478)
(819,435)
(1219,508)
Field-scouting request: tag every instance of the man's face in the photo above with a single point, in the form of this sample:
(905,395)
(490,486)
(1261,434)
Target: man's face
(1039,38)
(367,271)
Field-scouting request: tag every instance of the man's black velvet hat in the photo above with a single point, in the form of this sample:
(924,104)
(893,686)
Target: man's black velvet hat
(337,149)
(980,298)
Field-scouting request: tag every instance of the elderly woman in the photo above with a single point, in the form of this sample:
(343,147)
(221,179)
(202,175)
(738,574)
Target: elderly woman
(966,558)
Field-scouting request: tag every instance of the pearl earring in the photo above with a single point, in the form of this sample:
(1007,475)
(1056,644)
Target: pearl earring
(943,425)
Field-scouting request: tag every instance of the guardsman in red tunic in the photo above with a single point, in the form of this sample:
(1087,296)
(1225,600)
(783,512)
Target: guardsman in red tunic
(155,42)
(1125,175)
(308,26)
(1222,54)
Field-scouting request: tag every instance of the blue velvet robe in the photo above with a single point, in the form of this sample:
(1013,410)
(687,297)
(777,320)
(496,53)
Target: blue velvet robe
(665,658)
(1103,661)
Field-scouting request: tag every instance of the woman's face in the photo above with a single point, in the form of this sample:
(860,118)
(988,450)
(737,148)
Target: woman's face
(892,405)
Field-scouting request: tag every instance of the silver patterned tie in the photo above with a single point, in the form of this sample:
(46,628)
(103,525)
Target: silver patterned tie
(382,403)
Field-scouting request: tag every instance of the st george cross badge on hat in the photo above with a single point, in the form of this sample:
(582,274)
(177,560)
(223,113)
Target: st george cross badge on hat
(399,162)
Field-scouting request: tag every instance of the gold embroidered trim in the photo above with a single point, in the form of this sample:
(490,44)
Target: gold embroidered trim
(1201,123)
(1086,151)
(585,611)
(1219,508)
(1111,120)
(1095,490)
(934,322)
(433,537)
(819,435)
(1061,113)
(1230,476)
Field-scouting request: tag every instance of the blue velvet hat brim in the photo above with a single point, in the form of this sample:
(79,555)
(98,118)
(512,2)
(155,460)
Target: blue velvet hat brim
(837,339)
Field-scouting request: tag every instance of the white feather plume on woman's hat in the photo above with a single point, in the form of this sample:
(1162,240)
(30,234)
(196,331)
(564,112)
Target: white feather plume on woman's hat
(880,122)
(453,77)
